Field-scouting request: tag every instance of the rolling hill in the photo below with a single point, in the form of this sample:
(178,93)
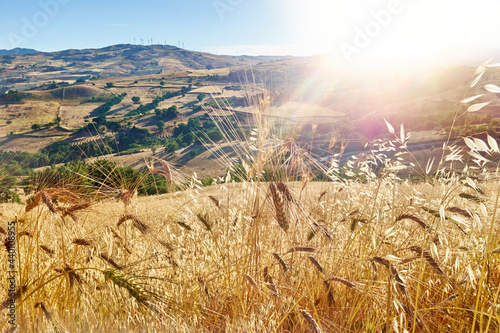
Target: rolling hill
(63,95)
(17,51)
(28,70)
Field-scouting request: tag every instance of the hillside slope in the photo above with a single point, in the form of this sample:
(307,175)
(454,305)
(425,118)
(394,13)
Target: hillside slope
(124,60)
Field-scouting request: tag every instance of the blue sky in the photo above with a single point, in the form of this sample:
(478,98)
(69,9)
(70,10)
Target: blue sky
(199,24)
(276,27)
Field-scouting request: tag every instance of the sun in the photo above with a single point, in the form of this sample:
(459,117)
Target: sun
(392,32)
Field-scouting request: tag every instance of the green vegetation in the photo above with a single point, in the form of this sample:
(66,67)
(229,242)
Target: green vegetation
(196,108)
(101,111)
(90,178)
(229,102)
(161,125)
(143,109)
(305,242)
(168,114)
(102,98)
(13,96)
(236,87)
(201,97)
(12,165)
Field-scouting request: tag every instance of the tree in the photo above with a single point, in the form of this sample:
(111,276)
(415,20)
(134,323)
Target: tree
(110,85)
(35,127)
(136,99)
(215,135)
(200,97)
(7,195)
(161,125)
(185,90)
(181,129)
(171,146)
(171,112)
(188,138)
(162,83)
(194,123)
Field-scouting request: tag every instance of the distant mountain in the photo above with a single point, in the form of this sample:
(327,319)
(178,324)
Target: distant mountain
(17,51)
(125,60)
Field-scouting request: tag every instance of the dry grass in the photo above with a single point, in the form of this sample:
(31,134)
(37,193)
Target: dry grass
(264,277)
(367,253)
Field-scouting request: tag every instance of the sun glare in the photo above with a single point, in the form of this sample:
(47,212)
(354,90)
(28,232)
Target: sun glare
(390,33)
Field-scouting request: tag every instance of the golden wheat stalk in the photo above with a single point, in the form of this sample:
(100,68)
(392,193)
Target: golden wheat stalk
(427,256)
(269,282)
(166,245)
(341,280)
(204,285)
(281,262)
(109,260)
(331,299)
(125,195)
(323,229)
(65,211)
(310,320)
(46,312)
(285,191)
(251,280)
(56,327)
(82,242)
(73,276)
(399,282)
(460,211)
(166,170)
(205,219)
(279,205)
(301,249)
(24,233)
(17,294)
(413,218)
(316,264)
(141,226)
(214,200)
(47,249)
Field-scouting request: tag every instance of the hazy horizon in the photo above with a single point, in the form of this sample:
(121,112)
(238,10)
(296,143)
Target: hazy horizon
(388,31)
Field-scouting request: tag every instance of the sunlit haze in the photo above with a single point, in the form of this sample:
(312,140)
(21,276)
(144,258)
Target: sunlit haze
(381,32)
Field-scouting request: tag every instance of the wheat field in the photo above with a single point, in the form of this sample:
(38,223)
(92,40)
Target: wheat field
(367,252)
(281,257)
